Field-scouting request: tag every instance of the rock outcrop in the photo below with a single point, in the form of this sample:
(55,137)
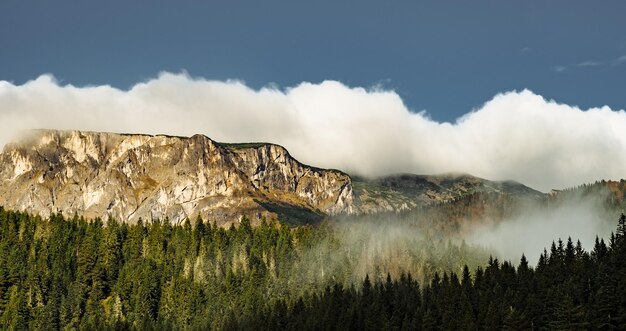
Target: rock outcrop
(129,177)
(132,176)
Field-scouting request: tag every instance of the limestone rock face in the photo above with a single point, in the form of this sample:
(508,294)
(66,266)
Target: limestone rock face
(156,177)
(129,177)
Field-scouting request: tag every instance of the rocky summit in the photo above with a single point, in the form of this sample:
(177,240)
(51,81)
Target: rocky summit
(133,176)
(129,176)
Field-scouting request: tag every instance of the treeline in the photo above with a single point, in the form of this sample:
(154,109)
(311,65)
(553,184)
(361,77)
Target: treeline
(612,193)
(60,273)
(569,289)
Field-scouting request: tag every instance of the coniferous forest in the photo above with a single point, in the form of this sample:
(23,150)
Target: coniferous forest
(73,273)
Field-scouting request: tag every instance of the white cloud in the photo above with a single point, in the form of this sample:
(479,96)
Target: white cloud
(589,63)
(516,135)
(536,226)
(559,68)
(526,50)
(619,60)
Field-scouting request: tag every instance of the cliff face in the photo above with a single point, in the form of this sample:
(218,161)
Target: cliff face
(140,176)
(157,177)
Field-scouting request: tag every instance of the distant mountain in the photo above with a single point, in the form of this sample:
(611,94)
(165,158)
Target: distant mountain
(407,191)
(133,176)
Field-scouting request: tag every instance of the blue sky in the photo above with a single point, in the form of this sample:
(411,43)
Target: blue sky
(443,57)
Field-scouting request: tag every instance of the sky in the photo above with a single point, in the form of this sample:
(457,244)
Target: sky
(531,91)
(443,57)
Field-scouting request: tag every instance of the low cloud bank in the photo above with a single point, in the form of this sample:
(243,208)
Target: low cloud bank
(369,132)
(536,227)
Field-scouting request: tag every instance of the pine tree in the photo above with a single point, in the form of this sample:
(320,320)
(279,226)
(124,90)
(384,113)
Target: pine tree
(621,226)
(15,315)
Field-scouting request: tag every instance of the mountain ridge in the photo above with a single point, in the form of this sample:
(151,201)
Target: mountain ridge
(132,176)
(174,175)
(404,191)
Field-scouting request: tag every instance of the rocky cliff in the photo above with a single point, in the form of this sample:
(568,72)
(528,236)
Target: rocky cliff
(141,176)
(163,177)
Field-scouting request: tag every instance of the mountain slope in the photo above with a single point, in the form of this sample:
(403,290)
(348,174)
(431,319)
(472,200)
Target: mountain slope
(129,177)
(141,176)
(407,191)
(611,193)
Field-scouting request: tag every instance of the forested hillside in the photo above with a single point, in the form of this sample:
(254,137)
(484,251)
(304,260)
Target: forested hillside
(569,289)
(67,274)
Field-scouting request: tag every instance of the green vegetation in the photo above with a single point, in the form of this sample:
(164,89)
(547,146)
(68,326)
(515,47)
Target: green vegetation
(570,289)
(242,145)
(78,274)
(293,215)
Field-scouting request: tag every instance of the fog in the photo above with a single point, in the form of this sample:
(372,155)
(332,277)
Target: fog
(380,245)
(534,227)
(377,245)
(516,135)
(353,249)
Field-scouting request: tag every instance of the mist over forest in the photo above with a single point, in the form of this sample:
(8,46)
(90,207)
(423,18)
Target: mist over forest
(312,165)
(86,274)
